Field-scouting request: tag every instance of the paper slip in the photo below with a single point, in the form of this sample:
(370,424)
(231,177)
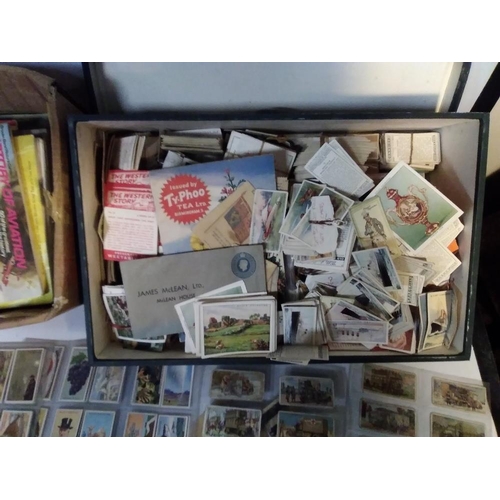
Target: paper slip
(241,145)
(341,346)
(130,228)
(332,168)
(405,264)
(373,332)
(450,233)
(176,159)
(300,353)
(443,260)
(330,279)
(412,287)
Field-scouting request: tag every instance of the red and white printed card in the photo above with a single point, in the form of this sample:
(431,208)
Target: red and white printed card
(130,227)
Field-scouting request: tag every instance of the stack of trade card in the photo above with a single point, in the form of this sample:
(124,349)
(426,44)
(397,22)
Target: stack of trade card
(115,302)
(422,151)
(235,326)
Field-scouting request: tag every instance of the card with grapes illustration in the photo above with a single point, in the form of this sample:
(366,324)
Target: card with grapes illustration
(77,377)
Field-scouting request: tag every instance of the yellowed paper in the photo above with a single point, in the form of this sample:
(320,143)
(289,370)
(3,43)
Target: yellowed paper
(229,223)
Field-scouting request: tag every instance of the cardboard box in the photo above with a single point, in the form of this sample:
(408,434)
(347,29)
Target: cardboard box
(460,176)
(30,96)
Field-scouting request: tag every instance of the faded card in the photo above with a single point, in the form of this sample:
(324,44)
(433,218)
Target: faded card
(172,426)
(304,425)
(387,418)
(372,228)
(224,421)
(306,391)
(389,381)
(25,376)
(459,396)
(268,212)
(107,384)
(6,357)
(97,424)
(447,426)
(238,385)
(177,385)
(140,425)
(15,423)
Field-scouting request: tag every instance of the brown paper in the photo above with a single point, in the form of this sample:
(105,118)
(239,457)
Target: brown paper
(28,92)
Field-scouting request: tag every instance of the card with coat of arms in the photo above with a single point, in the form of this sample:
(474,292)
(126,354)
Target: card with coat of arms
(415,209)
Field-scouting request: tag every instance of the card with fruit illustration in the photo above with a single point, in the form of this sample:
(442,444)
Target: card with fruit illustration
(77,377)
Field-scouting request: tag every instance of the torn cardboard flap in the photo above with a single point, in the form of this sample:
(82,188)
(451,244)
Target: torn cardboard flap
(24,92)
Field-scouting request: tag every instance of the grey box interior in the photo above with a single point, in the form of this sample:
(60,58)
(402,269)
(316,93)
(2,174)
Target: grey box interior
(455,177)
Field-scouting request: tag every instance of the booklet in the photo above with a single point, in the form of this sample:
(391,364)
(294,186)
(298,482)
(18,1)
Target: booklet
(154,286)
(185,196)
